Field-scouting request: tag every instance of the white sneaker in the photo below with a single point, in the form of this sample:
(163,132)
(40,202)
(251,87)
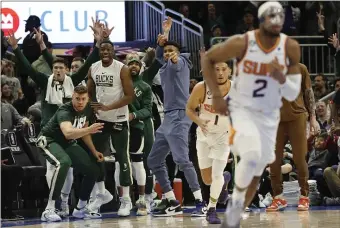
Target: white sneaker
(65,211)
(85,213)
(268,200)
(49,215)
(100,200)
(141,208)
(125,206)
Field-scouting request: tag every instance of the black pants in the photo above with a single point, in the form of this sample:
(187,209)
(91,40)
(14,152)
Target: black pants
(11,176)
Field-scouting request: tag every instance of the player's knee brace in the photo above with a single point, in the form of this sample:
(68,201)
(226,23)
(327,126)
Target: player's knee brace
(139,173)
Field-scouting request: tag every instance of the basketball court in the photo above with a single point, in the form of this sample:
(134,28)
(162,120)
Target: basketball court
(317,217)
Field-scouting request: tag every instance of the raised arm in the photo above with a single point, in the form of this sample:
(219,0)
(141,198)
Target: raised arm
(47,56)
(39,78)
(91,86)
(150,73)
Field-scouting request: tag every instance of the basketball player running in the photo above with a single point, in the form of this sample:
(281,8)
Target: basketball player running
(212,137)
(267,70)
(113,86)
(58,140)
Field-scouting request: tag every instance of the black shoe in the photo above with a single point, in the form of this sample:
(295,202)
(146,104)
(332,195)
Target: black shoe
(11,217)
(167,208)
(334,201)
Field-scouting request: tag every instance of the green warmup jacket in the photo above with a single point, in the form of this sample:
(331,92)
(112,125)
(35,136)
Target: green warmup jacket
(141,107)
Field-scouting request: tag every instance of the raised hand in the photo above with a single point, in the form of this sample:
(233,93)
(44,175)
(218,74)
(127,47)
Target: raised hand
(166,25)
(161,40)
(174,57)
(106,31)
(202,52)
(97,29)
(12,40)
(321,20)
(333,40)
(38,36)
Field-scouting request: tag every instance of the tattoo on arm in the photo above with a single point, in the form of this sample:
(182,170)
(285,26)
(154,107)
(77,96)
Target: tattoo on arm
(310,101)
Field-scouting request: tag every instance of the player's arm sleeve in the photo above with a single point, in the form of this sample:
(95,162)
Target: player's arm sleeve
(291,88)
(146,111)
(80,75)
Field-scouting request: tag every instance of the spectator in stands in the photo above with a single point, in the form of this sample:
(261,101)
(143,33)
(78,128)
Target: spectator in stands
(41,64)
(322,115)
(11,176)
(213,19)
(8,76)
(247,24)
(319,157)
(9,115)
(326,8)
(30,48)
(332,177)
(184,9)
(7,96)
(81,51)
(4,44)
(76,64)
(337,84)
(320,88)
(216,31)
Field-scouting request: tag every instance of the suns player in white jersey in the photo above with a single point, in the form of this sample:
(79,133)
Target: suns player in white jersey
(212,137)
(267,70)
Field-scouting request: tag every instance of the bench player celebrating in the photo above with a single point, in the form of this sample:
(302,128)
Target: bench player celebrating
(268,69)
(212,137)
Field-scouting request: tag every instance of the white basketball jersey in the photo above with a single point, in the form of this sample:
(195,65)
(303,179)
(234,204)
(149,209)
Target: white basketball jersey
(253,87)
(218,123)
(109,89)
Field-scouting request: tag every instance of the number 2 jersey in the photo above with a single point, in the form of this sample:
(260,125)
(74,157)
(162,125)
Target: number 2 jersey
(253,87)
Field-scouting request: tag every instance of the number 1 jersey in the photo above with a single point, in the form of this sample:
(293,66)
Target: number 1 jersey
(253,87)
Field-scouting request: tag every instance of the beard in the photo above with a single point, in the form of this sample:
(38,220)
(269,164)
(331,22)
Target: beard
(270,33)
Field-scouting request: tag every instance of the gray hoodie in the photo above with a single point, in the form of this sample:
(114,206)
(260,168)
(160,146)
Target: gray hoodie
(175,81)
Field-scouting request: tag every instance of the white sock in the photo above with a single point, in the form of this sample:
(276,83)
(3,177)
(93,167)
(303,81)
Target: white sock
(101,187)
(64,197)
(50,204)
(126,191)
(163,196)
(94,191)
(142,197)
(198,195)
(81,204)
(170,195)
